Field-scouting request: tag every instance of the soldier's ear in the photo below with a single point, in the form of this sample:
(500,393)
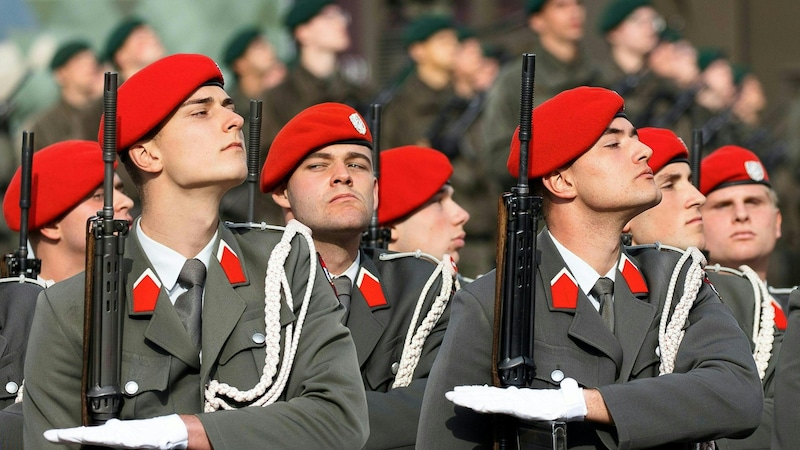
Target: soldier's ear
(559,183)
(146,156)
(280,195)
(51,230)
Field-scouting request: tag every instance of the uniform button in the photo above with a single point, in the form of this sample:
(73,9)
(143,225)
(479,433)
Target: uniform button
(658,352)
(131,387)
(12,387)
(557,376)
(395,367)
(258,338)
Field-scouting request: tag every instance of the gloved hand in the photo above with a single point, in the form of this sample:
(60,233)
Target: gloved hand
(566,403)
(165,432)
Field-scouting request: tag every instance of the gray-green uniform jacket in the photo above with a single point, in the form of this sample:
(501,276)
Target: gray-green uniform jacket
(737,293)
(379,332)
(713,391)
(785,431)
(322,406)
(17,303)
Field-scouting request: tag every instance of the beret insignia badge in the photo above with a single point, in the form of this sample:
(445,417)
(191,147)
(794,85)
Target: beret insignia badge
(358,124)
(754,170)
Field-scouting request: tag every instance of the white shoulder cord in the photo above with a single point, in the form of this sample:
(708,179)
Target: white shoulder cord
(412,348)
(274,281)
(763,321)
(670,335)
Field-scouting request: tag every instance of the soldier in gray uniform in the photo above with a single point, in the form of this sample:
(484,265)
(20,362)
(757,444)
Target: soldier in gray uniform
(319,171)
(77,113)
(610,373)
(431,42)
(631,29)
(561,63)
(262,361)
(319,28)
(676,221)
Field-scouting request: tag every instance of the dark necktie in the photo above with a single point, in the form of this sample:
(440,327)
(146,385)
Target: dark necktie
(603,291)
(189,305)
(343,287)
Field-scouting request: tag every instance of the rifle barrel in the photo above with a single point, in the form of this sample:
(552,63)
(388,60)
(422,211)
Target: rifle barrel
(253,156)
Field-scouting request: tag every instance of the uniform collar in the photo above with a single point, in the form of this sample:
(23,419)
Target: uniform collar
(166,262)
(583,273)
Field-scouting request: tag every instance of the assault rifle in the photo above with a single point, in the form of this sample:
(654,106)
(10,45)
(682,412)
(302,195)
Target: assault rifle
(17,264)
(375,236)
(104,306)
(514,312)
(253,157)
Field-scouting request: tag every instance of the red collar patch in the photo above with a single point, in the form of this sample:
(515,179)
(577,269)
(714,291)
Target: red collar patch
(632,276)
(230,263)
(145,292)
(780,317)
(564,290)
(370,288)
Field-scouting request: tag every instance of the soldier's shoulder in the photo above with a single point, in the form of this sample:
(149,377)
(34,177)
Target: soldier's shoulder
(388,261)
(254,230)
(656,251)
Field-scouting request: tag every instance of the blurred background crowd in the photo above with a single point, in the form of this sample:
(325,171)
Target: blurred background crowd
(728,67)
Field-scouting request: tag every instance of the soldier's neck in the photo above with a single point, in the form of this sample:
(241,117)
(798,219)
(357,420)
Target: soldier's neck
(337,258)
(320,63)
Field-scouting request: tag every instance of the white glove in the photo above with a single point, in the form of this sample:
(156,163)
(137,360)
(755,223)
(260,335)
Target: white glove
(566,403)
(165,432)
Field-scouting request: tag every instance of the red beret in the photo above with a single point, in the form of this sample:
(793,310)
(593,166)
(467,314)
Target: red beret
(564,127)
(313,128)
(410,176)
(667,147)
(151,94)
(731,165)
(63,175)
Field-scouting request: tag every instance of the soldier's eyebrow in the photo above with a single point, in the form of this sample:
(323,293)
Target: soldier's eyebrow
(620,131)
(198,101)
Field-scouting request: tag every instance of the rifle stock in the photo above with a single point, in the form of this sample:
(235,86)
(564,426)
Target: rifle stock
(104,305)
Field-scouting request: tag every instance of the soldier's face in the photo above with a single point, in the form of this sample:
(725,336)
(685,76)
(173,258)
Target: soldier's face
(437,228)
(71,228)
(562,20)
(742,224)
(613,175)
(638,32)
(201,145)
(327,30)
(676,221)
(332,191)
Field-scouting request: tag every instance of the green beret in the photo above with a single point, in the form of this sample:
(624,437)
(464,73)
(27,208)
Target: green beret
(66,52)
(464,32)
(616,12)
(302,11)
(119,35)
(739,73)
(239,43)
(534,6)
(670,34)
(706,56)
(426,26)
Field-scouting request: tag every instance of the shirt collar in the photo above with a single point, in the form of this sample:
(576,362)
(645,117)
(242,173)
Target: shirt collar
(166,262)
(352,271)
(584,274)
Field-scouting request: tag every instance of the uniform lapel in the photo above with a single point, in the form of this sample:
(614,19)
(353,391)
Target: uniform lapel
(148,298)
(222,304)
(367,323)
(633,314)
(559,288)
